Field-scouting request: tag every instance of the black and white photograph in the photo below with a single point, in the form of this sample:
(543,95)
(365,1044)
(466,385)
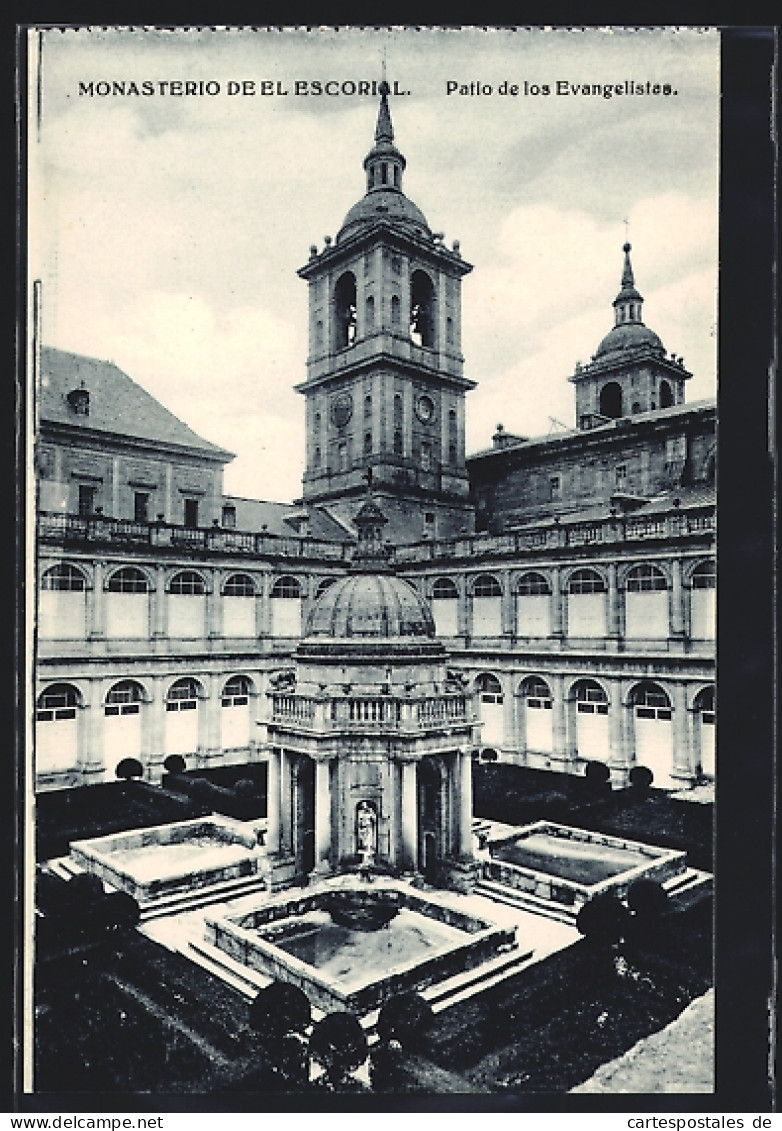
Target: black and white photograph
(372,562)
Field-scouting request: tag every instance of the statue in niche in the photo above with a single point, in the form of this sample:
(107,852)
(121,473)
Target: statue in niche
(366,832)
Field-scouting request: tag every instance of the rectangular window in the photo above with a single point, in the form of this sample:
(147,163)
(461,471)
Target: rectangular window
(556,487)
(86,499)
(191,512)
(141,506)
(621,476)
(426,457)
(229,517)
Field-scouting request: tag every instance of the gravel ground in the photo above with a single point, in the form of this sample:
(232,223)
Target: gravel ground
(680,1058)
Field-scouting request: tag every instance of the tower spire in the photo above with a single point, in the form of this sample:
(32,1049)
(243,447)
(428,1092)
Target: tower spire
(384,131)
(628,303)
(384,163)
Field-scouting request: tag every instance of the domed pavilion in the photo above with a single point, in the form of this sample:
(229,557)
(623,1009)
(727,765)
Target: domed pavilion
(369,736)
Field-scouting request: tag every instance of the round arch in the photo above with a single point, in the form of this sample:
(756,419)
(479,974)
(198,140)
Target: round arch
(652,725)
(611,400)
(57,728)
(587,713)
(187,583)
(129,579)
(704,707)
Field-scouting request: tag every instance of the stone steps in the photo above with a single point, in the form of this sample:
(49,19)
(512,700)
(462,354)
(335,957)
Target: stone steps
(202,897)
(525,901)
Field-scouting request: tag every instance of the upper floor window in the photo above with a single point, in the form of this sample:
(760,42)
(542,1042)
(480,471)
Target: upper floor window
(239,585)
(533,585)
(141,506)
(704,576)
(87,495)
(444,589)
(645,578)
(487,586)
(586,581)
(286,587)
(422,309)
(191,513)
(187,583)
(64,578)
(345,310)
(229,516)
(128,580)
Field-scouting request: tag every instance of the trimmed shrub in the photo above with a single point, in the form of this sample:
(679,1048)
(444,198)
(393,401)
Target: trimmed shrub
(604,919)
(120,911)
(129,768)
(641,778)
(174,764)
(339,1045)
(84,889)
(278,1009)
(405,1018)
(648,899)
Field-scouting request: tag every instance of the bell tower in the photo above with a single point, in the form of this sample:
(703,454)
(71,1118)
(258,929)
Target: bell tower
(385,386)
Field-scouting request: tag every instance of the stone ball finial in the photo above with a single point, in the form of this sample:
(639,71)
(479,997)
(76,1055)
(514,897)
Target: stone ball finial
(627,247)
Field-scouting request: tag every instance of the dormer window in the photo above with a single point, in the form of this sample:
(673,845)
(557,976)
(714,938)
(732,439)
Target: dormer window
(79,400)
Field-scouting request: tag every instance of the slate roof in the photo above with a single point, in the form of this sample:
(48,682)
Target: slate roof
(256,515)
(611,427)
(118,406)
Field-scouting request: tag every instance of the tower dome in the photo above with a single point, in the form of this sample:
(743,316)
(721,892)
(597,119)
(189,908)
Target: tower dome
(629,332)
(384,166)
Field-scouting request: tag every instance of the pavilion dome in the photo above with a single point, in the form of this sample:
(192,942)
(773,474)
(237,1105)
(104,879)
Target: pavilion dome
(370,606)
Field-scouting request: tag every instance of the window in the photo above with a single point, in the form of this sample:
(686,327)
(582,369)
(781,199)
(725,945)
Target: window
(591,699)
(367,405)
(236,692)
(367,443)
(59,701)
(398,443)
(489,688)
(444,589)
(426,457)
(555,484)
(239,585)
(187,583)
(345,310)
(124,698)
(342,455)
(191,513)
(650,702)
(286,587)
(141,506)
(128,580)
(324,585)
(533,585)
(429,518)
(396,310)
(63,578)
(487,586)
(183,695)
(422,314)
(586,581)
(537,693)
(229,516)
(704,576)
(621,476)
(86,499)
(645,579)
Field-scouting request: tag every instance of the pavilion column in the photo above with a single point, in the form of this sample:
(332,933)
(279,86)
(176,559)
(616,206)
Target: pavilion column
(684,755)
(322,814)
(410,815)
(465,802)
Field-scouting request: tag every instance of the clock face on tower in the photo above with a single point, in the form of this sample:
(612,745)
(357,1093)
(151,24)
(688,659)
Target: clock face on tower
(342,409)
(424,409)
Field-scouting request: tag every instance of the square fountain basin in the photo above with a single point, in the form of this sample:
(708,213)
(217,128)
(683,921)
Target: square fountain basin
(570,866)
(155,862)
(340,967)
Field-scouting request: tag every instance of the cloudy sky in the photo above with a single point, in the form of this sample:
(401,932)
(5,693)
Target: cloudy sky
(167,229)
